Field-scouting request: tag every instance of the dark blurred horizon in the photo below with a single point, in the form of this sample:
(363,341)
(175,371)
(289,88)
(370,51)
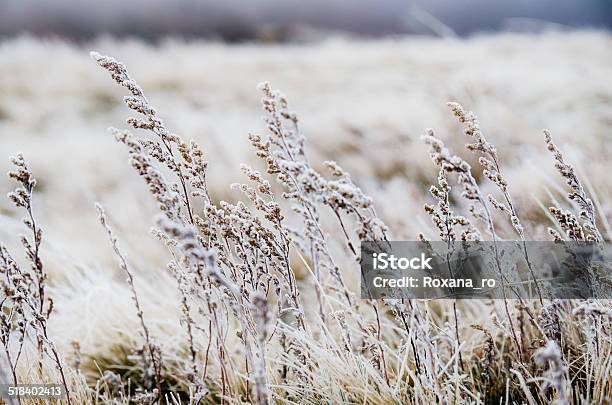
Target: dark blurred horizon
(286,20)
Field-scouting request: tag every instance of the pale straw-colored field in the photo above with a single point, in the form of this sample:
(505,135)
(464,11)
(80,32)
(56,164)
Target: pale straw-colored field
(364,105)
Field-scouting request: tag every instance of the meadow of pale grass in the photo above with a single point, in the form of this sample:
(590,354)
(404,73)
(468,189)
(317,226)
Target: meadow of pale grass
(225,269)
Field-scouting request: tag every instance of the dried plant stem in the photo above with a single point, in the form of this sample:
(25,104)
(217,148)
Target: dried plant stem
(492,170)
(153,351)
(448,163)
(27,300)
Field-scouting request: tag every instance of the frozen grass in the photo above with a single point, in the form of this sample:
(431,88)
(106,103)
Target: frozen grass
(256,302)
